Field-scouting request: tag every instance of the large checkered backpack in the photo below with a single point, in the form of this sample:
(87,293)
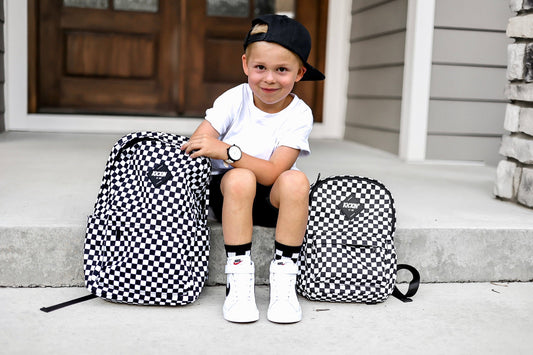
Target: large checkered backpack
(147,241)
(348,253)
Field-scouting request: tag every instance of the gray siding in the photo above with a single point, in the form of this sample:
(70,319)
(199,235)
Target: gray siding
(467,103)
(376,73)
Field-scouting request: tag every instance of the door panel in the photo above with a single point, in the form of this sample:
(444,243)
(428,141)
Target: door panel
(106,60)
(210,71)
(217,70)
(151,57)
(113,56)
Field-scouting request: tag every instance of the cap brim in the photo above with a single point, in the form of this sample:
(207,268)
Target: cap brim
(312,74)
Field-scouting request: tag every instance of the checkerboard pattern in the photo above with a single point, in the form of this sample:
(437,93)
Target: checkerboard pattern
(147,241)
(348,253)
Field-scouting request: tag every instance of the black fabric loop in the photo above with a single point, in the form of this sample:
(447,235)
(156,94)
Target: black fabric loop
(414,284)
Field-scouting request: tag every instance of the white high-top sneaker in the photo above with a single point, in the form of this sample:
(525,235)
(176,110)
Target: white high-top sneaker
(284,306)
(239,305)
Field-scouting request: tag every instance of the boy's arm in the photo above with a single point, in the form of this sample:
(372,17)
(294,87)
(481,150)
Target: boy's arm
(205,142)
(205,128)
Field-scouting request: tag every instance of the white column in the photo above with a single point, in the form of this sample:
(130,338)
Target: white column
(416,79)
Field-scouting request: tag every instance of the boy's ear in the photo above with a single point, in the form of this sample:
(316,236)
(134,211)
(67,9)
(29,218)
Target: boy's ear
(244,64)
(301,73)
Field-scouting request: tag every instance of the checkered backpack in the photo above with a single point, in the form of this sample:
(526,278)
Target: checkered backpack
(348,252)
(147,241)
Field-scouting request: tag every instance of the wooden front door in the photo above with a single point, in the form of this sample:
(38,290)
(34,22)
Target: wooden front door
(151,57)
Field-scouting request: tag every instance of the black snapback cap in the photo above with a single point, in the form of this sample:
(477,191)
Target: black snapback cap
(290,34)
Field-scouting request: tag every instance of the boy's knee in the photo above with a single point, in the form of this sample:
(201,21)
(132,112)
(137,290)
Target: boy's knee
(294,183)
(238,182)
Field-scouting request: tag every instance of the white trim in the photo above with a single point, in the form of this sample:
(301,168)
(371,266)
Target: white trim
(337,63)
(416,79)
(109,124)
(16,71)
(16,85)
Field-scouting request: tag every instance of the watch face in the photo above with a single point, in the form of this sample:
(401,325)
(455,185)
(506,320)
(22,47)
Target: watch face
(234,153)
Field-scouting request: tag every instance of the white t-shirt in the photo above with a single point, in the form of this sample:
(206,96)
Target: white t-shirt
(257,133)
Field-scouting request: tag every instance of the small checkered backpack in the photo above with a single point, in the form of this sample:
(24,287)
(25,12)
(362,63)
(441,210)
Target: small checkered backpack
(147,241)
(348,252)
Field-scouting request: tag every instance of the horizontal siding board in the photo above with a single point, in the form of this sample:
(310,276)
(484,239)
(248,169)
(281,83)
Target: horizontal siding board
(385,81)
(2,44)
(2,70)
(2,100)
(466,117)
(384,113)
(389,17)
(388,49)
(473,14)
(480,149)
(467,83)
(470,47)
(383,140)
(359,5)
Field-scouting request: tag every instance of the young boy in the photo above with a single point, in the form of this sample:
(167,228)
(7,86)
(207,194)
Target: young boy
(254,133)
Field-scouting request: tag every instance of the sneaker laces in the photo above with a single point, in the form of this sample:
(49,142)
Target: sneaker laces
(244,286)
(286,286)
(241,283)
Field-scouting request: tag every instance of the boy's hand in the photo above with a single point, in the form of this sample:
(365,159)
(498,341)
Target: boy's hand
(207,146)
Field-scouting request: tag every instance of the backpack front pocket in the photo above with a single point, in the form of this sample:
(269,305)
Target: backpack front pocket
(144,265)
(348,270)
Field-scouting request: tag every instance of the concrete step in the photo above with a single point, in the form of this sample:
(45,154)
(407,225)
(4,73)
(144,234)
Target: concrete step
(449,225)
(52,256)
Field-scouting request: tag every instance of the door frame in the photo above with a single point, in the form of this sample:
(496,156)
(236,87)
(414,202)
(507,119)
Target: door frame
(16,85)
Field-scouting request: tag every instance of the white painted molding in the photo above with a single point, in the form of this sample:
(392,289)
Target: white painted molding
(16,85)
(337,63)
(16,63)
(416,79)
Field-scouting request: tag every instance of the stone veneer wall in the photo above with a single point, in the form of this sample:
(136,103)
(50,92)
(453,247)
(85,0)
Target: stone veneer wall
(514,174)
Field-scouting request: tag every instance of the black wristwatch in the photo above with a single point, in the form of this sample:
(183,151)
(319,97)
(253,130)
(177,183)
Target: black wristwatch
(234,154)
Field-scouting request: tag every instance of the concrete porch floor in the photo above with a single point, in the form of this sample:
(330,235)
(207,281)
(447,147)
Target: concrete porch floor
(53,178)
(449,225)
(466,318)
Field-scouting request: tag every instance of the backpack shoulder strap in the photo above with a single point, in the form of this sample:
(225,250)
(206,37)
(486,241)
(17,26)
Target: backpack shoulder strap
(68,303)
(413,284)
